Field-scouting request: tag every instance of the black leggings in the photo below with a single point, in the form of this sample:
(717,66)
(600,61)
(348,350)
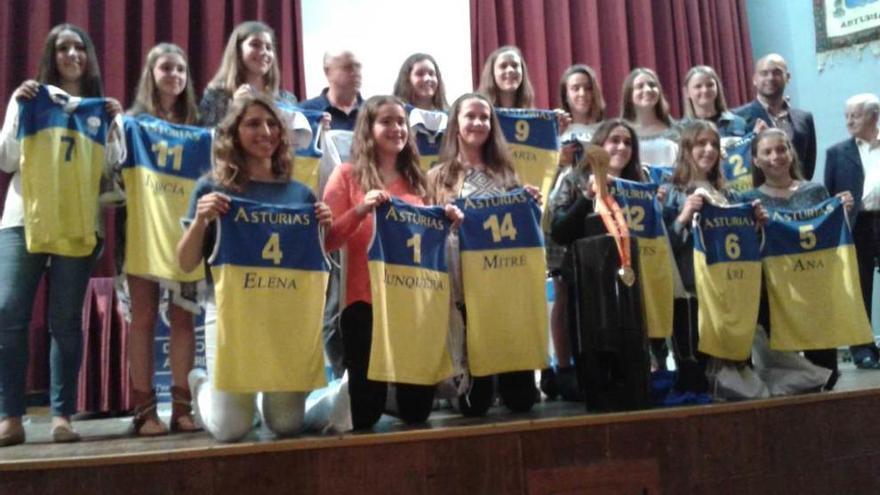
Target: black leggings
(516,388)
(368,396)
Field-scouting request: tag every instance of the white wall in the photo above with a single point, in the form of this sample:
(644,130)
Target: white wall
(382,33)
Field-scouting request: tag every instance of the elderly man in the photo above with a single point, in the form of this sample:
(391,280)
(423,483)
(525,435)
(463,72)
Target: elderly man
(854,165)
(772,109)
(341,98)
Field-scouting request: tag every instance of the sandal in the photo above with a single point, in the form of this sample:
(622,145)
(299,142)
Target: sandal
(145,422)
(182,419)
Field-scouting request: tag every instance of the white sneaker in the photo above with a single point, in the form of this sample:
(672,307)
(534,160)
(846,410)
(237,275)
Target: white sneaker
(195,379)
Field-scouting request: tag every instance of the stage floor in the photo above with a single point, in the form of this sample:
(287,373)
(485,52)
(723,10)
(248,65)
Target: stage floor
(106,441)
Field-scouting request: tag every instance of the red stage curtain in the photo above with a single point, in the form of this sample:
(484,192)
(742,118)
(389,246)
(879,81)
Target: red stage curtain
(615,36)
(123,33)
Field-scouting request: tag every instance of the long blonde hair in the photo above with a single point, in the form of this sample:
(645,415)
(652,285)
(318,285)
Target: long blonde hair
(232,72)
(146,98)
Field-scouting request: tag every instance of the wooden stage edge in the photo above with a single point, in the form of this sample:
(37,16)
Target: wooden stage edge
(444,432)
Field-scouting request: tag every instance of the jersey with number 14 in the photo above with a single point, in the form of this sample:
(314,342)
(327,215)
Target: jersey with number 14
(63,140)
(270,278)
(727,272)
(813,280)
(503,278)
(409,284)
(533,139)
(163,163)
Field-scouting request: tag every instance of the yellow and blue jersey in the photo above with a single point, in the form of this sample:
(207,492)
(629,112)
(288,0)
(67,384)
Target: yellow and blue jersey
(660,174)
(428,128)
(645,219)
(727,271)
(307,160)
(812,279)
(160,171)
(533,139)
(409,284)
(270,278)
(63,141)
(736,164)
(503,277)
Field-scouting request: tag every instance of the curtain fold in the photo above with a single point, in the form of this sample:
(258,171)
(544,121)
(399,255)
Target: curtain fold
(615,36)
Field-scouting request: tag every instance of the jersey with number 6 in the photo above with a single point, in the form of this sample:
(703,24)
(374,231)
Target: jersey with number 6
(503,273)
(533,139)
(160,172)
(270,278)
(63,142)
(727,271)
(813,280)
(409,283)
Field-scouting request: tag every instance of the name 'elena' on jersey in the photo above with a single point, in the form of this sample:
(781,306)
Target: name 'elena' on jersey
(270,278)
(503,279)
(727,271)
(63,142)
(736,163)
(533,138)
(812,279)
(160,171)
(645,220)
(409,283)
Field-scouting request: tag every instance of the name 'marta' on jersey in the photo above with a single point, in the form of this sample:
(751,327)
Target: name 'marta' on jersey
(533,138)
(645,221)
(503,278)
(727,271)
(736,162)
(813,280)
(62,159)
(428,127)
(160,171)
(409,283)
(270,278)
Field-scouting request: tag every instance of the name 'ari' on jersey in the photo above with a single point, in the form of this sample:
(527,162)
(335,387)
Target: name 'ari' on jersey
(63,140)
(533,139)
(727,271)
(503,278)
(270,278)
(813,280)
(409,283)
(645,221)
(736,162)
(160,171)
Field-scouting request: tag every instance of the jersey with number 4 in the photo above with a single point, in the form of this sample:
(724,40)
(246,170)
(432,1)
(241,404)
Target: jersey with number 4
(727,271)
(409,283)
(160,172)
(503,279)
(533,139)
(270,278)
(63,142)
(813,280)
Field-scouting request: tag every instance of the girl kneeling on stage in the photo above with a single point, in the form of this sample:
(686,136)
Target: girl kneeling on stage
(252,160)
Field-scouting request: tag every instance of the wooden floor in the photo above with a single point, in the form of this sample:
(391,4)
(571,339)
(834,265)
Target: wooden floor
(106,447)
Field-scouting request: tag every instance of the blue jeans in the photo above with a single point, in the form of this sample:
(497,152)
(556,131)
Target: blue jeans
(20,273)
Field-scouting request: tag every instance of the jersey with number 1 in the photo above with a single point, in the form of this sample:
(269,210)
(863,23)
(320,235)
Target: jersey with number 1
(503,278)
(533,139)
(409,284)
(63,140)
(645,220)
(160,171)
(727,272)
(270,278)
(813,280)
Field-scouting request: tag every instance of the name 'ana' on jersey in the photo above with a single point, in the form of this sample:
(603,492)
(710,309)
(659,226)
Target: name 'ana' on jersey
(736,163)
(409,283)
(503,278)
(270,278)
(812,279)
(160,171)
(727,271)
(533,138)
(645,220)
(63,142)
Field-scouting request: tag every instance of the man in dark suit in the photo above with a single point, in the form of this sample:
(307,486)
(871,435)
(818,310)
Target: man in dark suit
(771,109)
(854,165)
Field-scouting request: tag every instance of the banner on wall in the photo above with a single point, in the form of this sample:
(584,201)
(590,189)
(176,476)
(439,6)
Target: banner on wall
(845,25)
